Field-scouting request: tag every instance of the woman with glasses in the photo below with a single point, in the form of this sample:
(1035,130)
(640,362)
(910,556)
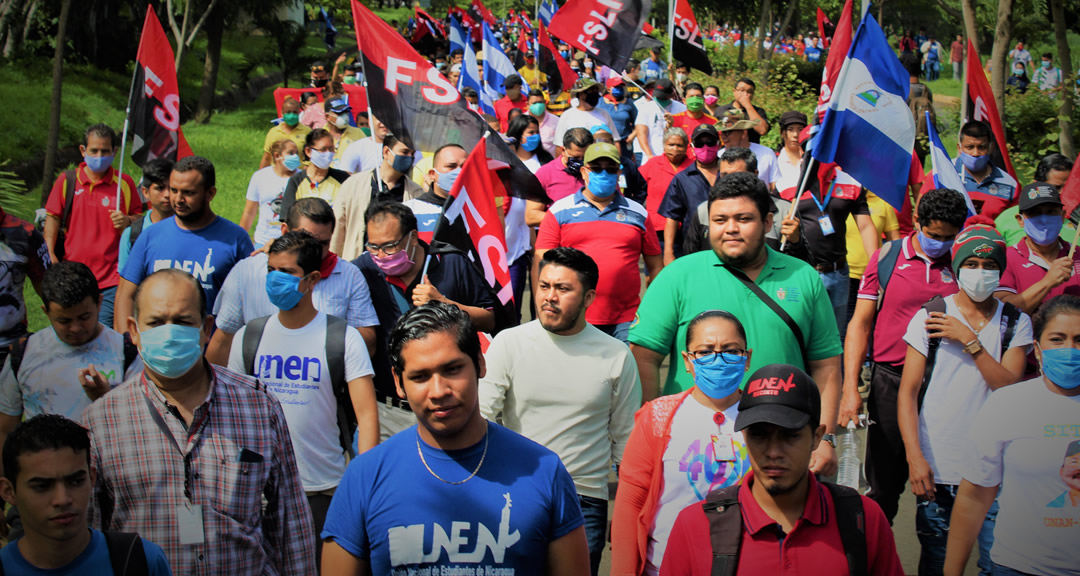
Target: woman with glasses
(682,446)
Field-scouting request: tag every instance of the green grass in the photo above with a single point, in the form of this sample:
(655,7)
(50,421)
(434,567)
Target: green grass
(946,86)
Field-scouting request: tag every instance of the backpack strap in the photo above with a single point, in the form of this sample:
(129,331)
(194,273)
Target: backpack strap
(935,304)
(1010,315)
(70,176)
(126,554)
(725,529)
(136,229)
(250,348)
(851,520)
(888,254)
(335,362)
(16,351)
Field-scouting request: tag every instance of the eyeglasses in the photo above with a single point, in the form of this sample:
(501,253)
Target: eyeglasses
(388,248)
(729,356)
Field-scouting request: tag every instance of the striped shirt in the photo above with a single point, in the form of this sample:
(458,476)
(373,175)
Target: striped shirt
(243,296)
(238,454)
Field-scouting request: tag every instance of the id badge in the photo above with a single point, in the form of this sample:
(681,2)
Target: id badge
(723,449)
(826,225)
(189,520)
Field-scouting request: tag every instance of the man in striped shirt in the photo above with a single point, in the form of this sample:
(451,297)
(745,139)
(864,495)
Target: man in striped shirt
(193,457)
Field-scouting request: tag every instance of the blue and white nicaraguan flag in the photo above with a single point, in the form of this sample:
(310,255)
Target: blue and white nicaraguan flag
(943,169)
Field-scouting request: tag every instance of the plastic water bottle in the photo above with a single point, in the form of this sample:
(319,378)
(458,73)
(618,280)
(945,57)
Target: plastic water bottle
(850,461)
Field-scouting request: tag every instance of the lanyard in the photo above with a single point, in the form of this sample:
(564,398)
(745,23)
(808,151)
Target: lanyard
(193,431)
(821,205)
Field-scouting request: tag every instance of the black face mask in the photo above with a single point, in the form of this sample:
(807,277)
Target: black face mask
(592,98)
(573,165)
(319,83)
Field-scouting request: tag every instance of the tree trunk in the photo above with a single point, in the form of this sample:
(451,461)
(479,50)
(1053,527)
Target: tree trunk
(1066,95)
(51,148)
(1002,37)
(792,5)
(10,10)
(181,32)
(880,10)
(29,20)
(970,29)
(764,26)
(215,29)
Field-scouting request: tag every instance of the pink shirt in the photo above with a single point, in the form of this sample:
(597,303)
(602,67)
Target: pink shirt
(557,182)
(1024,268)
(548,125)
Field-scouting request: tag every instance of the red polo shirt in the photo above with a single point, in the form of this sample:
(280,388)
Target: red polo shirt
(504,105)
(688,123)
(915,279)
(1023,268)
(91,238)
(812,547)
(658,173)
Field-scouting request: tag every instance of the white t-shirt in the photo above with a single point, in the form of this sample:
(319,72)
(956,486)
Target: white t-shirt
(48,380)
(649,115)
(266,188)
(361,155)
(576,118)
(292,365)
(691,470)
(768,168)
(789,171)
(1019,441)
(957,389)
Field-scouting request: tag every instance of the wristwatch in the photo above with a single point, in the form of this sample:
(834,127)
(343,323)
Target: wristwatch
(830,438)
(973,347)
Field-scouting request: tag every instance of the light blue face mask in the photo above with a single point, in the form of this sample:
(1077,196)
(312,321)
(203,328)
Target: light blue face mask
(283,290)
(531,143)
(934,248)
(603,184)
(1062,367)
(98,164)
(1043,229)
(447,179)
(170,350)
(718,379)
(292,162)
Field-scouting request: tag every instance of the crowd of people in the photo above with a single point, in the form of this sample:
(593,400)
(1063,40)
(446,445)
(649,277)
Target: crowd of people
(328,387)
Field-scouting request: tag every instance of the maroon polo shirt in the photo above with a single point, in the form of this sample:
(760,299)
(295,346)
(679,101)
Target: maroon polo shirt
(1023,268)
(915,279)
(813,547)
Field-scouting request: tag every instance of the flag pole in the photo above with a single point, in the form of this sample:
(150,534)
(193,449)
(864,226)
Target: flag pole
(123,138)
(798,195)
(371,114)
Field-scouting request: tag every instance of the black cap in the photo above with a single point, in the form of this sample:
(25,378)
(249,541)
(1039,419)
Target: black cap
(779,394)
(1037,194)
(792,117)
(705,129)
(665,88)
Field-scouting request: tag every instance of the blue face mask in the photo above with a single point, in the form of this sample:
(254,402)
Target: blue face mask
(1044,229)
(447,179)
(718,379)
(170,350)
(934,248)
(603,184)
(402,163)
(283,290)
(1062,367)
(98,164)
(618,93)
(974,163)
(292,162)
(531,143)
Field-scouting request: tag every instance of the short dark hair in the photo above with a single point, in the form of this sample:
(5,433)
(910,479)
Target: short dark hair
(390,141)
(632,63)
(747,81)
(313,137)
(1061,304)
(537,93)
(724,314)
(308,250)
(444,147)
(469,92)
(157,171)
(101,131)
(580,137)
(380,210)
(742,184)
(735,153)
(693,86)
(307,94)
(457,51)
(976,129)
(1050,163)
(313,208)
(943,205)
(576,260)
(714,87)
(1048,55)
(204,167)
(433,318)
(179,275)
(68,283)
(40,433)
(364,114)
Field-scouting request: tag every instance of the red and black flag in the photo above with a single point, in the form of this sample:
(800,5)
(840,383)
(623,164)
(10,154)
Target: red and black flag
(607,30)
(420,107)
(560,75)
(981,106)
(686,42)
(156,110)
(429,34)
(480,12)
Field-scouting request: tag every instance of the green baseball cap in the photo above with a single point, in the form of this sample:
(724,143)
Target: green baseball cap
(602,150)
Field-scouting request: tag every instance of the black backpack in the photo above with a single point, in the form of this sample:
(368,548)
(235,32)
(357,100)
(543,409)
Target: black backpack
(17,350)
(726,528)
(126,554)
(335,364)
(136,229)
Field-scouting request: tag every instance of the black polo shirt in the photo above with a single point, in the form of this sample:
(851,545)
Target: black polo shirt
(848,198)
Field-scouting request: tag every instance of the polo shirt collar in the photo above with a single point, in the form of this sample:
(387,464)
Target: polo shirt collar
(1025,250)
(755,519)
(772,261)
(618,202)
(995,175)
(83,175)
(159,399)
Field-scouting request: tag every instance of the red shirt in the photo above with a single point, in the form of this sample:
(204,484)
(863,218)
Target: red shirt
(615,237)
(914,280)
(688,123)
(91,237)
(504,105)
(1023,268)
(812,547)
(658,173)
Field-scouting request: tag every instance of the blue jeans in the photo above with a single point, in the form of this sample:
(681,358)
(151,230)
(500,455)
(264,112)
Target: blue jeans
(999,570)
(837,285)
(595,512)
(621,331)
(637,158)
(932,528)
(105,312)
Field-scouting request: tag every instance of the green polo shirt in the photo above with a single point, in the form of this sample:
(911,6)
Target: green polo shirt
(698,282)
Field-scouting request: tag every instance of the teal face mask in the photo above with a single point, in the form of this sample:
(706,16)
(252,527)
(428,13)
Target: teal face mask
(170,350)
(290,118)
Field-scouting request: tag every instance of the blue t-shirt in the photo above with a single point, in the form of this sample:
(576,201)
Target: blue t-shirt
(623,115)
(812,54)
(93,560)
(391,510)
(653,70)
(207,254)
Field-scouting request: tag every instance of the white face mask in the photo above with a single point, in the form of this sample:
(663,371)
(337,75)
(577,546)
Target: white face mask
(979,284)
(341,122)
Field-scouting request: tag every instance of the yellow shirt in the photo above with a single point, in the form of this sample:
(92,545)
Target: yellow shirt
(327,189)
(298,135)
(534,78)
(884,218)
(348,136)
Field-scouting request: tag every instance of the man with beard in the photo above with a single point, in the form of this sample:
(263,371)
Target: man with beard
(779,299)
(579,406)
(195,240)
